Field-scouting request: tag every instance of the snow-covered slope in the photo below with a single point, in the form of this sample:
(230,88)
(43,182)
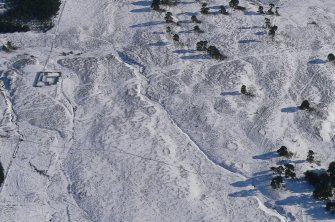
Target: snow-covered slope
(139,128)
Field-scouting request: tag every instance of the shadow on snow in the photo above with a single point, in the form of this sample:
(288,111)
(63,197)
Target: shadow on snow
(146,24)
(266,156)
(141,10)
(251,27)
(233,93)
(196,57)
(159,43)
(292,109)
(188,13)
(317,61)
(313,207)
(246,41)
(184,51)
(142,3)
(250,13)
(260,33)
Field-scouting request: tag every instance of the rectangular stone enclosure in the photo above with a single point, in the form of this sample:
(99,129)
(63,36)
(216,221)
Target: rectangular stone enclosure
(46,79)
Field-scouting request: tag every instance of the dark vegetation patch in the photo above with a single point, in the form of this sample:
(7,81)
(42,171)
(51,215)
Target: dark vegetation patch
(26,15)
(2,174)
(323,182)
(40,172)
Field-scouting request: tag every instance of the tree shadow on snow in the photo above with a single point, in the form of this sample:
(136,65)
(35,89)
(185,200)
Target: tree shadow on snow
(250,13)
(186,31)
(214,7)
(158,33)
(233,93)
(244,193)
(301,195)
(141,10)
(286,161)
(185,22)
(188,13)
(260,178)
(313,207)
(186,3)
(146,24)
(196,57)
(215,13)
(260,183)
(6,82)
(299,186)
(251,27)
(246,41)
(292,109)
(159,43)
(317,62)
(266,156)
(142,3)
(260,33)
(184,51)
(127,59)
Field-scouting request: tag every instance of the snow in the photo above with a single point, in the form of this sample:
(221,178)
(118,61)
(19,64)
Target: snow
(139,128)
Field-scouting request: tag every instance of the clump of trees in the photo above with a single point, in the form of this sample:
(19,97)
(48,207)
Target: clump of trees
(42,10)
(168,17)
(287,170)
(169,2)
(278,170)
(11,26)
(267,23)
(204,9)
(175,37)
(305,105)
(272,31)
(235,5)
(168,30)
(261,10)
(270,12)
(283,151)
(22,12)
(311,159)
(330,206)
(194,19)
(323,182)
(8,47)
(331,57)
(197,29)
(155,5)
(310,156)
(211,50)
(201,46)
(223,10)
(277,182)
(244,91)
(215,53)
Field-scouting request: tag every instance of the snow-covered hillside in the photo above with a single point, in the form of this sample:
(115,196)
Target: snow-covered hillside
(140,128)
